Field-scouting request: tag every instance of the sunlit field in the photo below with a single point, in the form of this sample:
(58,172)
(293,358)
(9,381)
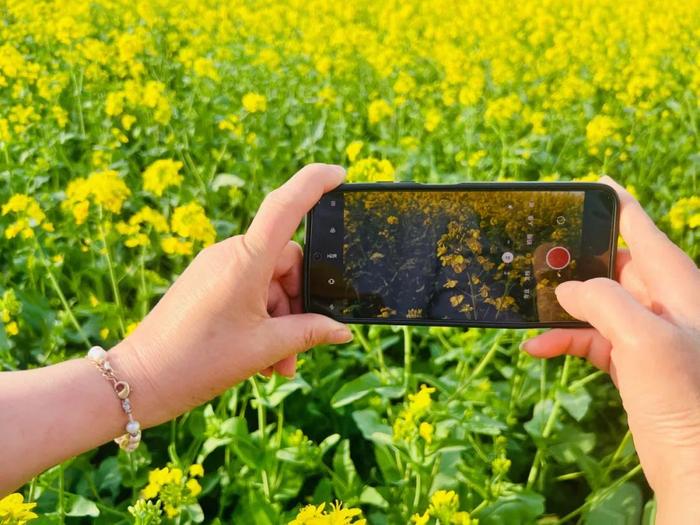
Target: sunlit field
(134,133)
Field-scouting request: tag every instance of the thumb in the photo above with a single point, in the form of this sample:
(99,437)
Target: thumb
(291,334)
(607,306)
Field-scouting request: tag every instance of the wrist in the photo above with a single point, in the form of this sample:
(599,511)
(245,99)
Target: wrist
(149,404)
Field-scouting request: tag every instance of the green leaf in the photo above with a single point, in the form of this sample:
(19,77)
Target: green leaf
(371,426)
(481,424)
(575,403)
(518,508)
(195,512)
(370,496)
(355,389)
(328,443)
(387,464)
(224,180)
(80,506)
(345,478)
(280,387)
(622,507)
(570,444)
(535,426)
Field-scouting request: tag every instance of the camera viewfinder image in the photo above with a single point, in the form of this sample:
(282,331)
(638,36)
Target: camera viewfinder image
(472,255)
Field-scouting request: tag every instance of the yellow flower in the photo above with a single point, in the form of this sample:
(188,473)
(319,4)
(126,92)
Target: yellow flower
(28,215)
(13,510)
(685,212)
(194,487)
(337,515)
(432,120)
(371,170)
(196,470)
(12,328)
(443,504)
(162,174)
(378,110)
(175,246)
(426,431)
(105,188)
(475,157)
(254,102)
(191,222)
(501,109)
(417,519)
(600,129)
(353,149)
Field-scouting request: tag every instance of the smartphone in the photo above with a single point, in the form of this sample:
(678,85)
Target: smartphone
(470,254)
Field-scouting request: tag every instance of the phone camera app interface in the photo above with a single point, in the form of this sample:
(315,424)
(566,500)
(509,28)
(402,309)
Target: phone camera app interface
(478,256)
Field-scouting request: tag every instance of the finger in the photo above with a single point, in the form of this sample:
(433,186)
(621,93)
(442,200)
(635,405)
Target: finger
(586,343)
(287,366)
(289,268)
(608,307)
(291,334)
(277,300)
(662,265)
(629,278)
(279,305)
(284,208)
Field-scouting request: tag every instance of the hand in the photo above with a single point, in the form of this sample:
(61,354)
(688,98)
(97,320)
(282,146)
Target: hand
(646,333)
(235,310)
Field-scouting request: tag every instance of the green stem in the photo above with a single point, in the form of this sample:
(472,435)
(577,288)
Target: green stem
(261,428)
(61,495)
(488,357)
(549,425)
(59,292)
(112,277)
(407,349)
(601,495)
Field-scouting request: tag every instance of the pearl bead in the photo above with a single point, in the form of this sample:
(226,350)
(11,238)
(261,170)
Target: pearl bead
(97,354)
(132,427)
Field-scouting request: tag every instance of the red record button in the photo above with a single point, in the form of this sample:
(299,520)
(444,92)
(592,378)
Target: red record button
(558,258)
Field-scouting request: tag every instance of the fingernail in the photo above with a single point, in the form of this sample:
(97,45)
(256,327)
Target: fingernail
(341,335)
(523,345)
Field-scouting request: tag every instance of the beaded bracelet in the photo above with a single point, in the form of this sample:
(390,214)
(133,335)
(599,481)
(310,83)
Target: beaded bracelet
(132,438)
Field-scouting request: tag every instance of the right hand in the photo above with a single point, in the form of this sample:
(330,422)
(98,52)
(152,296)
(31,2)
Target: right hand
(646,334)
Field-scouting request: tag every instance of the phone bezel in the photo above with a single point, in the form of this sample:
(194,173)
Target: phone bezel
(463,186)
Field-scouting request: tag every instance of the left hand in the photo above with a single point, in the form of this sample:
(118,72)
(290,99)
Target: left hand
(235,310)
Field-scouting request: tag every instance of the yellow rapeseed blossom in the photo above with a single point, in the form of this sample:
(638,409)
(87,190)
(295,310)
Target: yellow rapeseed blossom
(432,120)
(426,431)
(600,129)
(173,488)
(103,188)
(378,110)
(28,215)
(406,425)
(14,511)
(685,212)
(371,170)
(162,174)
(353,149)
(501,109)
(191,222)
(337,515)
(443,505)
(254,102)
(175,246)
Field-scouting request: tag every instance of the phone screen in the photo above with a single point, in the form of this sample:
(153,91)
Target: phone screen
(440,255)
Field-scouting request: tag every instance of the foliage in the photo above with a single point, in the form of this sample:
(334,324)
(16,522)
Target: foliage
(134,133)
